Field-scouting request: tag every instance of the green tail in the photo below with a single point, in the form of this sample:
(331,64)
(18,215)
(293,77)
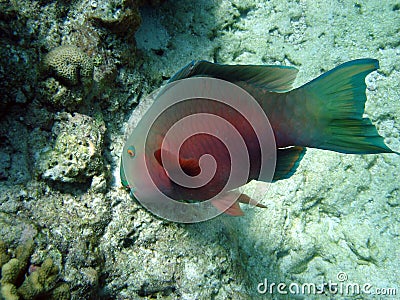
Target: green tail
(338,99)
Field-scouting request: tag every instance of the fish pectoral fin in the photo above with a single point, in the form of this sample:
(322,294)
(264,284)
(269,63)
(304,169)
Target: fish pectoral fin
(224,204)
(270,77)
(287,161)
(243,198)
(190,166)
(228,203)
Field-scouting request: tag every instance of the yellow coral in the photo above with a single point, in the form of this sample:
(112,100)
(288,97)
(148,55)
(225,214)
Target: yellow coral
(39,282)
(70,65)
(9,291)
(42,283)
(11,271)
(24,252)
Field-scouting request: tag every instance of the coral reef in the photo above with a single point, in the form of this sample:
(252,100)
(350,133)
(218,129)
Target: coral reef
(69,65)
(42,282)
(77,152)
(5,161)
(68,77)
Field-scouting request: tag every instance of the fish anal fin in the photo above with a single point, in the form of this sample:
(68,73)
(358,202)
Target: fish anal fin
(190,166)
(287,161)
(224,203)
(234,210)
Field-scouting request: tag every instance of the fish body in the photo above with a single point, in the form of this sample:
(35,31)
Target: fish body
(326,113)
(201,144)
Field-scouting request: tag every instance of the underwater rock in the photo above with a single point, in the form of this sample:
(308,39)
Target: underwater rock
(77,152)
(18,69)
(59,96)
(5,164)
(202,265)
(119,16)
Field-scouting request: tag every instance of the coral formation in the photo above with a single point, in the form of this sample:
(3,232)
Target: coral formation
(68,77)
(41,282)
(77,152)
(43,279)
(69,65)
(4,255)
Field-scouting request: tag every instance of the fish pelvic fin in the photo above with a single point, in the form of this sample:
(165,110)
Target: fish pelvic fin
(336,99)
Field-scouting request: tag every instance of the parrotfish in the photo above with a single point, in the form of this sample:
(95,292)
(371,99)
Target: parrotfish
(325,113)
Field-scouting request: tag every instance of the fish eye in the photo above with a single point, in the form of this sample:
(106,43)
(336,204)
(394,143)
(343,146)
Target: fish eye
(131,151)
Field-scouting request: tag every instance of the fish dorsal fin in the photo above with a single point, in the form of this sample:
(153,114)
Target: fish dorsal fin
(287,161)
(270,77)
(190,166)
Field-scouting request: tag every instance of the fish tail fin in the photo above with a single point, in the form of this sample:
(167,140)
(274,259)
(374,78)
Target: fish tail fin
(335,101)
